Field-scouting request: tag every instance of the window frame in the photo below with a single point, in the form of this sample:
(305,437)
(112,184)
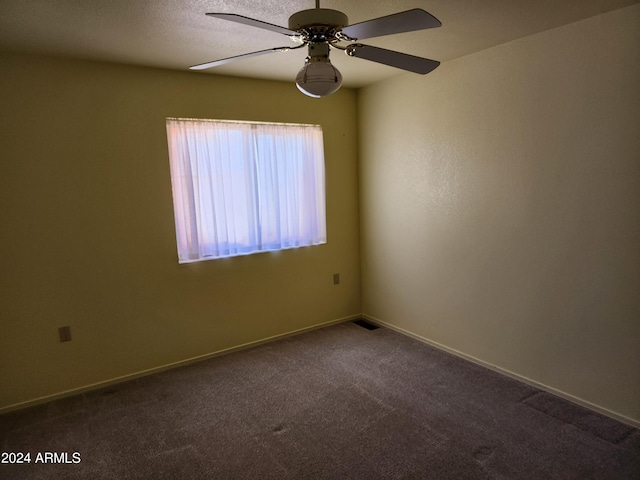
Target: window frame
(302,153)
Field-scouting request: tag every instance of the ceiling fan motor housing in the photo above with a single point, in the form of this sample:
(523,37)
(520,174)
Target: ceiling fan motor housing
(318,17)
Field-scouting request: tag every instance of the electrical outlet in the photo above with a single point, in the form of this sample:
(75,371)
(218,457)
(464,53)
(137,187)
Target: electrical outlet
(65,334)
(336,278)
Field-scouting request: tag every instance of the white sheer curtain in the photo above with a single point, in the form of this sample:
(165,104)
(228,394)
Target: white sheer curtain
(240,188)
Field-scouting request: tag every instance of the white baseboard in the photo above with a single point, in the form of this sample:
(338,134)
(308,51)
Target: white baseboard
(596,408)
(162,368)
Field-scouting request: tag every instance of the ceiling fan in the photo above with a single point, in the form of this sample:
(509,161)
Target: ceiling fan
(321,29)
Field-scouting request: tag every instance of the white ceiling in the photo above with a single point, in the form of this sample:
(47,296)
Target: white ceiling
(176,33)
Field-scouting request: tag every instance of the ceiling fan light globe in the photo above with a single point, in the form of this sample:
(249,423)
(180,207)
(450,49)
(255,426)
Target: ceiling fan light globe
(318,78)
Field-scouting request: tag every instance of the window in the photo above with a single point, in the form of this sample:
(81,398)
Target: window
(241,188)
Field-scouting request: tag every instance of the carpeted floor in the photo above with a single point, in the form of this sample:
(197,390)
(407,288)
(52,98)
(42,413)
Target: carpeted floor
(341,402)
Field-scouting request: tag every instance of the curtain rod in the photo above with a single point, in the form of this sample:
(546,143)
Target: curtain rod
(242,122)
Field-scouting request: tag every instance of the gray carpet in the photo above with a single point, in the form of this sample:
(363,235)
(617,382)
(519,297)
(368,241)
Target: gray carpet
(342,402)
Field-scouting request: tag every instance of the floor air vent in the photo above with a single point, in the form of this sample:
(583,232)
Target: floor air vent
(365,324)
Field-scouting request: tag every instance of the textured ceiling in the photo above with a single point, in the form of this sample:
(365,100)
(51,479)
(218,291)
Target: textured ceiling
(176,33)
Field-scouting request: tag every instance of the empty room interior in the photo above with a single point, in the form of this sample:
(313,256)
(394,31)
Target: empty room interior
(488,210)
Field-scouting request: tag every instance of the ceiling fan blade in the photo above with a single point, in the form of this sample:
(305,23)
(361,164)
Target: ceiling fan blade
(408,21)
(217,63)
(393,59)
(254,23)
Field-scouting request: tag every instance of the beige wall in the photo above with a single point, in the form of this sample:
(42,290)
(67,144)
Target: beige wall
(88,236)
(500,207)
